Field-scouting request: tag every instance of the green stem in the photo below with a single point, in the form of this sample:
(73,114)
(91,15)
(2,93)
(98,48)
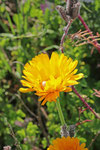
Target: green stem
(60,112)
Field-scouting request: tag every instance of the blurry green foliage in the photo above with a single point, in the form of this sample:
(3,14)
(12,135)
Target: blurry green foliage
(25,32)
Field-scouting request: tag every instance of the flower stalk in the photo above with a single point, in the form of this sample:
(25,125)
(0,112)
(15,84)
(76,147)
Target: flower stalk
(60,112)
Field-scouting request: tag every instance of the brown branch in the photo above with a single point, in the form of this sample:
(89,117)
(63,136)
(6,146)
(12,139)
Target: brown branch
(44,112)
(26,106)
(84,121)
(65,33)
(17,143)
(93,140)
(41,123)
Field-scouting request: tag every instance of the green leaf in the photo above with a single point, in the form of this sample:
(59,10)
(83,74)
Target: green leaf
(21,113)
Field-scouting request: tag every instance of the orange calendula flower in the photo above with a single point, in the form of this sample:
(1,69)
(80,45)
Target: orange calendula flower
(67,144)
(48,77)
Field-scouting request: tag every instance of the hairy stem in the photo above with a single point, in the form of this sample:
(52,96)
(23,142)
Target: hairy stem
(60,113)
(65,33)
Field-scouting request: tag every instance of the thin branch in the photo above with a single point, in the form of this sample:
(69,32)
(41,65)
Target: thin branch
(93,140)
(87,28)
(66,29)
(97,93)
(44,112)
(17,143)
(41,123)
(85,103)
(26,106)
(84,121)
(15,62)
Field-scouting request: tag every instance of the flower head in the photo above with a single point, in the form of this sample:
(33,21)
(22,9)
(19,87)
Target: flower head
(67,144)
(48,77)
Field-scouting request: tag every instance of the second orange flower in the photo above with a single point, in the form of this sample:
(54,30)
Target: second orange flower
(67,144)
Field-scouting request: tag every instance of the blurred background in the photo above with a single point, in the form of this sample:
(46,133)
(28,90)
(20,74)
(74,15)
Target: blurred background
(27,28)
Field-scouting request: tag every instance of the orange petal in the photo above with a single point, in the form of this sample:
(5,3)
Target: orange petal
(68,89)
(25,90)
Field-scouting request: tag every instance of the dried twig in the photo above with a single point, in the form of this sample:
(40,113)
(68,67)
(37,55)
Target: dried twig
(65,33)
(97,93)
(93,140)
(26,106)
(44,112)
(84,121)
(97,45)
(41,123)
(17,143)
(84,37)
